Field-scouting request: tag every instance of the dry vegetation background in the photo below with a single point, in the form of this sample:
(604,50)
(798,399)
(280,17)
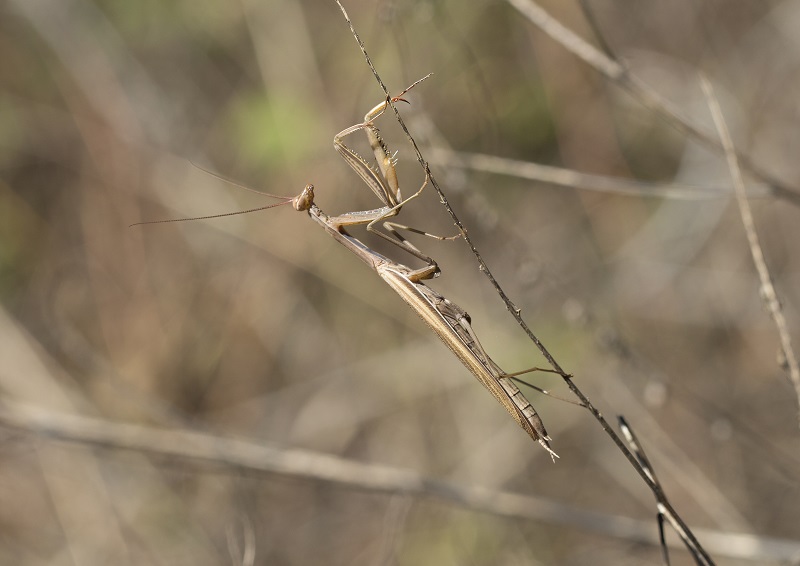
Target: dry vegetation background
(261,327)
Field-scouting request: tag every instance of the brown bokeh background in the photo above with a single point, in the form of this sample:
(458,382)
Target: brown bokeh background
(260,326)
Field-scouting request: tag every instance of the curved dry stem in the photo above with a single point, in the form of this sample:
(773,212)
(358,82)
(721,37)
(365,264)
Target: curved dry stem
(242,455)
(768,293)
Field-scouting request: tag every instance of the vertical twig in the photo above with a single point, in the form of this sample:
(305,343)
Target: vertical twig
(767,291)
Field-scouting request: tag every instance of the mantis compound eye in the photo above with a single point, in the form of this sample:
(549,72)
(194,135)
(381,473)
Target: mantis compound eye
(305,199)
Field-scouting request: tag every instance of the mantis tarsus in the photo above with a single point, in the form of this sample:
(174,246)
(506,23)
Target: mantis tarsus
(450,322)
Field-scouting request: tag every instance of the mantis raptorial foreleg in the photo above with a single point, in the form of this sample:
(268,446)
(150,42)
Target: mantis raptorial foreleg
(382,181)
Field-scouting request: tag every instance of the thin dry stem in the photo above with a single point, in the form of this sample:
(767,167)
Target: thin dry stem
(768,293)
(510,306)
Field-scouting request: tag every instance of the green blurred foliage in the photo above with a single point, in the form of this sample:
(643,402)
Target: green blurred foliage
(275,131)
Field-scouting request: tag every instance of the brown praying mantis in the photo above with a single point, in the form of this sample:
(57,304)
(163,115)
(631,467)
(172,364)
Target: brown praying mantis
(450,322)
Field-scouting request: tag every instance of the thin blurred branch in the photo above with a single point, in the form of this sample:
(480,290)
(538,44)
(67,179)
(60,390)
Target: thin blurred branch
(70,29)
(588,13)
(767,291)
(245,556)
(569,178)
(192,447)
(394,521)
(615,71)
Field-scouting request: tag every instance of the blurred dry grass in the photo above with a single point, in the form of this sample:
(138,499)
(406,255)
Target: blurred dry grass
(260,327)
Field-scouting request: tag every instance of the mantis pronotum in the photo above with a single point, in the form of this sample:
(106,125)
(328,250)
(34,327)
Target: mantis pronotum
(449,321)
